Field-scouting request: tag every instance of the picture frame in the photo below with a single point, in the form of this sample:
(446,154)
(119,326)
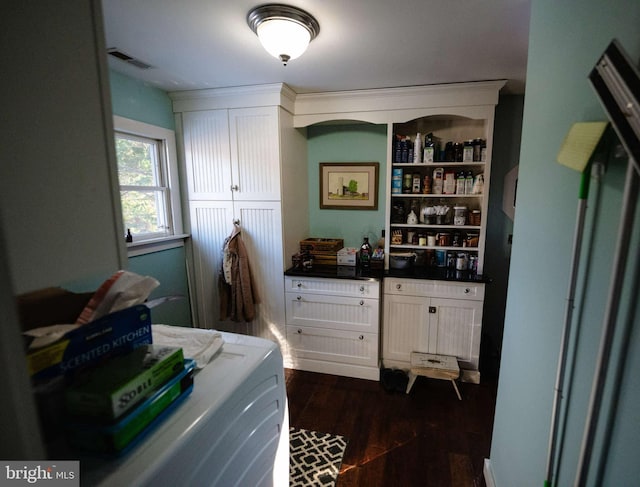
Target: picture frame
(349,185)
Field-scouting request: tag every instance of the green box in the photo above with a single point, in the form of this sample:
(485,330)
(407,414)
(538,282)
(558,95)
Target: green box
(115,386)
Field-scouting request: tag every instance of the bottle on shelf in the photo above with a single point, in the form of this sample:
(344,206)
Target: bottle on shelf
(468,183)
(417,149)
(365,253)
(460,183)
(416,187)
(404,150)
(428,153)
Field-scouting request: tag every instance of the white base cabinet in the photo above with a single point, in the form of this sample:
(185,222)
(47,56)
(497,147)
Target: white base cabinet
(333,325)
(437,317)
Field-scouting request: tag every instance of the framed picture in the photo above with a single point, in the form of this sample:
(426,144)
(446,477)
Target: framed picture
(349,185)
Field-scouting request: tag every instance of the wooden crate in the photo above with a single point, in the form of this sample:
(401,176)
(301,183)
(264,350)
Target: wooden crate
(321,244)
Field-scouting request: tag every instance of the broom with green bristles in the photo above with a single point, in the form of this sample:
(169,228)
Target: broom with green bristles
(576,153)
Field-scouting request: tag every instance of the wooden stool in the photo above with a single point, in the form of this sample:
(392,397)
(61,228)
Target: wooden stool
(435,367)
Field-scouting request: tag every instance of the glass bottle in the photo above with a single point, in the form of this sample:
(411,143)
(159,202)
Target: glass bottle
(365,253)
(468,184)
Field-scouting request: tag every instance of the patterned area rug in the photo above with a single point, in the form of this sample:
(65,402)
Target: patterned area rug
(315,457)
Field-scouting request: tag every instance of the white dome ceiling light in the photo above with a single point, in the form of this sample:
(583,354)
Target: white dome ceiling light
(284,31)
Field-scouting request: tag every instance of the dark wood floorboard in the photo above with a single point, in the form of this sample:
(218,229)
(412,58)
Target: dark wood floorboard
(424,439)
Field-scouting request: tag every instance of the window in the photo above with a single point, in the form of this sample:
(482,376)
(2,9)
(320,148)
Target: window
(147,175)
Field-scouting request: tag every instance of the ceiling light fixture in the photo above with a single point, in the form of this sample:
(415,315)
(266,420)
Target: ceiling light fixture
(284,31)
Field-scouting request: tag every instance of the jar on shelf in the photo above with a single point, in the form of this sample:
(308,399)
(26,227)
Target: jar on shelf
(444,239)
(474,218)
(460,215)
(407,182)
(426,185)
(472,239)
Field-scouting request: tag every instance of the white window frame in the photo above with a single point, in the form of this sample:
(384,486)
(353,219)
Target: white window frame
(170,161)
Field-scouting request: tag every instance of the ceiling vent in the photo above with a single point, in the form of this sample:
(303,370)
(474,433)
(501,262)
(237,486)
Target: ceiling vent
(117,53)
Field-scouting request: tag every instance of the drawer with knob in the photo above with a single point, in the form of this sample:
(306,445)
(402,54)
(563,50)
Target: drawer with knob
(344,313)
(338,346)
(333,287)
(434,288)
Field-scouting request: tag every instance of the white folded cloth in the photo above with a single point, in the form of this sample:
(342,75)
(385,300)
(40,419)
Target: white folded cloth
(197,344)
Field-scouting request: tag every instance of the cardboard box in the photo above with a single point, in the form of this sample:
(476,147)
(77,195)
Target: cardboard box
(347,256)
(121,331)
(116,385)
(119,437)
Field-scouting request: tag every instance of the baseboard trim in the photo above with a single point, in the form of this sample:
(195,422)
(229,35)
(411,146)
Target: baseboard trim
(488,474)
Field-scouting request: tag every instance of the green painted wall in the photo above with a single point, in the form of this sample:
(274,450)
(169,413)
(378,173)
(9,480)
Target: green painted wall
(346,143)
(168,267)
(566,39)
(137,100)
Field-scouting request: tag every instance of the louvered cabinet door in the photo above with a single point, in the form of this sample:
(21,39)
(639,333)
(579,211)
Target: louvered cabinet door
(255,154)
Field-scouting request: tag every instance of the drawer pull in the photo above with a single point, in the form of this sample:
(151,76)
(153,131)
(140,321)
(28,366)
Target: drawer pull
(398,286)
(299,298)
(361,303)
(467,290)
(299,331)
(361,289)
(299,284)
(361,337)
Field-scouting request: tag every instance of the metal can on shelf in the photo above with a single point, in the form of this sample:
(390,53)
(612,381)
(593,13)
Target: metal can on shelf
(461,261)
(396,181)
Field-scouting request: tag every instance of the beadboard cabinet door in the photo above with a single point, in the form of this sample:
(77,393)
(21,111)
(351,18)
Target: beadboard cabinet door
(255,154)
(419,317)
(232,154)
(207,154)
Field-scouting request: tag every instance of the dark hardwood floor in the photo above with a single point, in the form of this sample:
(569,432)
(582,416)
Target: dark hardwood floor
(426,438)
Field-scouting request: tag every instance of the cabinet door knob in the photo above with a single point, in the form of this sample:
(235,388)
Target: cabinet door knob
(398,286)
(299,331)
(432,309)
(361,337)
(234,187)
(299,298)
(299,284)
(361,303)
(361,289)
(467,290)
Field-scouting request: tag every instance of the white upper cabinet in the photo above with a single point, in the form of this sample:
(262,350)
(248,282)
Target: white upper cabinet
(232,154)
(255,154)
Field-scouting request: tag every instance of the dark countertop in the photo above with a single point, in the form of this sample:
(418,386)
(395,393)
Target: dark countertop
(337,272)
(417,272)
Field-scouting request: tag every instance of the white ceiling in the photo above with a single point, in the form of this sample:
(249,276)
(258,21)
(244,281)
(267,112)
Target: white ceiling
(195,44)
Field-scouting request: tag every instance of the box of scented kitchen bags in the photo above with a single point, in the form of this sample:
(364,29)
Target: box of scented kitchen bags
(117,332)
